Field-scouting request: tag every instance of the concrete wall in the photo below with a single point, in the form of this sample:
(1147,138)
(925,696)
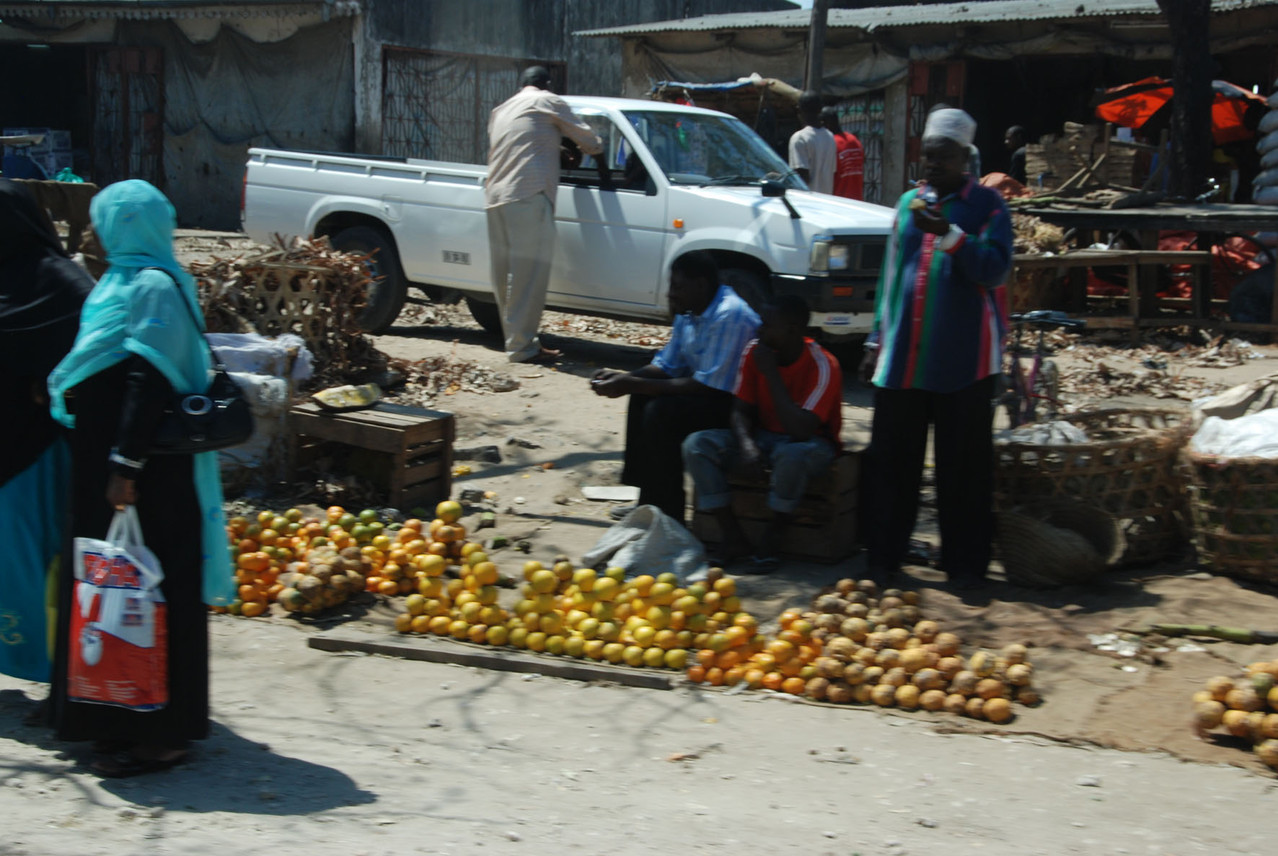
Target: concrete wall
(516,29)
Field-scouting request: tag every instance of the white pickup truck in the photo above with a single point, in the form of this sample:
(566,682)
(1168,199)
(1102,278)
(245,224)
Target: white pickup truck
(672,179)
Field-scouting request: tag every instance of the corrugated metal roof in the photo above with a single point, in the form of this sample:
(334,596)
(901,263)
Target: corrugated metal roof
(142,9)
(889,17)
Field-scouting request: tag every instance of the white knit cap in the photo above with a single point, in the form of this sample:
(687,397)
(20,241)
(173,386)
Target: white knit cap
(952,124)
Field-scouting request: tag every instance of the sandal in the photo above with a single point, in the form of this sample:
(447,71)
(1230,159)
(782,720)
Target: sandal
(125,765)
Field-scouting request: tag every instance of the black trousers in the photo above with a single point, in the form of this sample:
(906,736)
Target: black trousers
(963,442)
(655,429)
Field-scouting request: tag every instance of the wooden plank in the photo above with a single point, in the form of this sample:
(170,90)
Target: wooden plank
(415,472)
(421,495)
(812,510)
(372,432)
(437,650)
(832,542)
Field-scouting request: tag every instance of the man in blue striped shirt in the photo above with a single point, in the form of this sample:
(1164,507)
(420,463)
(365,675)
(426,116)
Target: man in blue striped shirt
(688,385)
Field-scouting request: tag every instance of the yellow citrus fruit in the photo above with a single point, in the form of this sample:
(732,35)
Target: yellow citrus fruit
(449,511)
(543,581)
(676,658)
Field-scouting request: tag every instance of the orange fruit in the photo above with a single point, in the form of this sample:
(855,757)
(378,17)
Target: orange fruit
(449,511)
(485,573)
(697,673)
(773,680)
(794,686)
(728,659)
(388,587)
(714,676)
(252,608)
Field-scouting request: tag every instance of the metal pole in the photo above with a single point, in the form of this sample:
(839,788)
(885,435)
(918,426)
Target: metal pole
(816,45)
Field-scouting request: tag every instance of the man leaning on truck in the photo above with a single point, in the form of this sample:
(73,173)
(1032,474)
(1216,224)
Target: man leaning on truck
(524,135)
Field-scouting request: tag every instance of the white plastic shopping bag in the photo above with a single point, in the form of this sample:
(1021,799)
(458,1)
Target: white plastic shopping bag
(648,541)
(118,651)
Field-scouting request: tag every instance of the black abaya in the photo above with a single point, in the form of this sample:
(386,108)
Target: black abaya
(121,405)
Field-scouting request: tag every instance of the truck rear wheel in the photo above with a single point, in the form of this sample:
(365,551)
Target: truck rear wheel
(485,314)
(386,295)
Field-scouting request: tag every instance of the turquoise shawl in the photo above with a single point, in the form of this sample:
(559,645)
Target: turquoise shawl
(137,311)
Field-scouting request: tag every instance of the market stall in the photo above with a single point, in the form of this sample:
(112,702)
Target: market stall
(1210,221)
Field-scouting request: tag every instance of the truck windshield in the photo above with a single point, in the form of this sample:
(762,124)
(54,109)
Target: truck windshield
(697,149)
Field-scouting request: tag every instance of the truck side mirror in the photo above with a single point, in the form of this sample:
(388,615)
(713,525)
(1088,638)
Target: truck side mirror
(771,188)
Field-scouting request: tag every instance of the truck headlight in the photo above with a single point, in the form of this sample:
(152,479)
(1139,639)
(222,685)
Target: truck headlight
(828,256)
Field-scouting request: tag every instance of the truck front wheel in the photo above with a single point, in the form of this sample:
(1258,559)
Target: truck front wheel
(386,295)
(750,286)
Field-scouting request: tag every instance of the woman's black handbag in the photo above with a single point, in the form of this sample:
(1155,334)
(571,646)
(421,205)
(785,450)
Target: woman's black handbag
(204,422)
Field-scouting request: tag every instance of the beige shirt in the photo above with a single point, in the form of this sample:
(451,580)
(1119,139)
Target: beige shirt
(814,149)
(523,145)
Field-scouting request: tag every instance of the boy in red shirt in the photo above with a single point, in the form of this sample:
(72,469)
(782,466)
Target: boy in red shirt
(786,420)
(849,162)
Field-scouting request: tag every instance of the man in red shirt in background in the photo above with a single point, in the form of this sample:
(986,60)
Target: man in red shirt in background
(849,164)
(786,419)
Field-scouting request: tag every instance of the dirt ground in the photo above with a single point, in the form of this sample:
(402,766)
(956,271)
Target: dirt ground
(358,754)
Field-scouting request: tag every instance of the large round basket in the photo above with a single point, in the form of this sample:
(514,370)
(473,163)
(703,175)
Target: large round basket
(1128,468)
(1056,542)
(1234,504)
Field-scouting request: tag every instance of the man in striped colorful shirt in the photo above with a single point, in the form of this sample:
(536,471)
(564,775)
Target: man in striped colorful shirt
(938,340)
(785,428)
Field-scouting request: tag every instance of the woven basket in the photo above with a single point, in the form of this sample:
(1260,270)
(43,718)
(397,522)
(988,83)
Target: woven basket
(1234,504)
(1128,469)
(1056,543)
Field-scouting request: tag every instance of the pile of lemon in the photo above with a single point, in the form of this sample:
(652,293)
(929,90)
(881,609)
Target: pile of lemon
(577,612)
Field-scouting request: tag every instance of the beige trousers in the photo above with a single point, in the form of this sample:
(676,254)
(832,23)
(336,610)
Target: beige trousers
(521,241)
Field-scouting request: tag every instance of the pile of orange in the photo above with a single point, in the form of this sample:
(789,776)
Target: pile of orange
(1245,707)
(860,645)
(273,549)
(741,654)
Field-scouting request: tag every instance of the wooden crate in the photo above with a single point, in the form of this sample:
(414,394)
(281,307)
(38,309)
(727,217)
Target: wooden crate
(407,451)
(824,524)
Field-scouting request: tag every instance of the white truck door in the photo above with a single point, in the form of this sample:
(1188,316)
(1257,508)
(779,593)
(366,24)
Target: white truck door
(610,243)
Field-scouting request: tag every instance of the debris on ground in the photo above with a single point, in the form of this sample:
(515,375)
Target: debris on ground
(431,377)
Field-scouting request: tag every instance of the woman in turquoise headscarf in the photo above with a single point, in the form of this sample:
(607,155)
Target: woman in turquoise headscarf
(138,344)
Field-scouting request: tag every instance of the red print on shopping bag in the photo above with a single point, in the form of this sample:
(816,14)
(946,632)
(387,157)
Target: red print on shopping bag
(118,648)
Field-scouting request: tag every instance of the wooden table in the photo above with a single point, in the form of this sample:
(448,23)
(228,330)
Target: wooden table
(1132,260)
(1209,220)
